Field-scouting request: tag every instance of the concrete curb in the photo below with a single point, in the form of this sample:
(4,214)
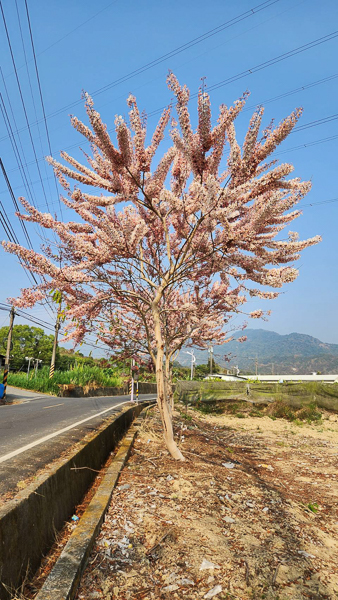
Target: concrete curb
(63,580)
(29,521)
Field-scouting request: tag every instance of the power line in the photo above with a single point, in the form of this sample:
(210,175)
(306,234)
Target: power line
(37,321)
(9,230)
(24,263)
(291,92)
(22,100)
(308,144)
(51,328)
(183,47)
(19,187)
(42,102)
(249,13)
(15,203)
(23,175)
(264,65)
(13,141)
(320,202)
(30,82)
(78,27)
(321,121)
(245,73)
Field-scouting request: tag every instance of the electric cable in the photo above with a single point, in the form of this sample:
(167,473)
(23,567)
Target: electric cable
(321,121)
(22,223)
(249,13)
(261,66)
(307,145)
(11,137)
(30,84)
(22,100)
(42,102)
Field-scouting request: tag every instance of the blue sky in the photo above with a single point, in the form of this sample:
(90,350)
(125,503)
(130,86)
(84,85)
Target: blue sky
(85,45)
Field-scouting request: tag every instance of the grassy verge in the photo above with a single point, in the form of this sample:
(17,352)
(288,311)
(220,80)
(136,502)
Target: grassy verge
(276,410)
(81,376)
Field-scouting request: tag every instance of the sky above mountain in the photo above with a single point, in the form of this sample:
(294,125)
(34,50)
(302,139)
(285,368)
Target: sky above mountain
(111,49)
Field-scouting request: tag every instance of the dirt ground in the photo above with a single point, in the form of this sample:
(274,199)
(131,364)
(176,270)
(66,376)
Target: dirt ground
(249,515)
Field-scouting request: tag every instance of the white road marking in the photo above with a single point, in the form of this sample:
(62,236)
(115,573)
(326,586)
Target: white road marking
(52,435)
(53,405)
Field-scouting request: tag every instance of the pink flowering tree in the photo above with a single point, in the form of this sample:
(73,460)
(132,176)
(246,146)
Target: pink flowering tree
(195,318)
(162,247)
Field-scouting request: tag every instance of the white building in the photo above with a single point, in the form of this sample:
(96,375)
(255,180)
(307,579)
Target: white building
(276,378)
(295,378)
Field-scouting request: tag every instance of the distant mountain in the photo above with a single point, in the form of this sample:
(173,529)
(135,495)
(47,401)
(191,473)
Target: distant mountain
(281,354)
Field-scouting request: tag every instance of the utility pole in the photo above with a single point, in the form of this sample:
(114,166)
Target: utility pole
(55,343)
(29,358)
(193,360)
(210,350)
(9,345)
(136,377)
(37,362)
(132,380)
(256,365)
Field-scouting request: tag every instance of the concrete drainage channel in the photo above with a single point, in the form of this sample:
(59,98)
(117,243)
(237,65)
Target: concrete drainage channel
(28,522)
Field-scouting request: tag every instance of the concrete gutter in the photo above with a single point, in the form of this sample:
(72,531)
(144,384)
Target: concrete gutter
(29,521)
(63,580)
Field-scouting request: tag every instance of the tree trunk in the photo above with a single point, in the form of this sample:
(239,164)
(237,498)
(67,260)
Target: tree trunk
(162,399)
(169,380)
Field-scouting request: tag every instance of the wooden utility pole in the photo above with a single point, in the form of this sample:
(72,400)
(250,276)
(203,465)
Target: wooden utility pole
(9,345)
(57,327)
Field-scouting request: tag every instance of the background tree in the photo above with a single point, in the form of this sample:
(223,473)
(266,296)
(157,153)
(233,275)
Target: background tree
(67,359)
(27,341)
(202,371)
(208,235)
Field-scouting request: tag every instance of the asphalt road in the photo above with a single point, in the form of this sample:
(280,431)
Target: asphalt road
(39,428)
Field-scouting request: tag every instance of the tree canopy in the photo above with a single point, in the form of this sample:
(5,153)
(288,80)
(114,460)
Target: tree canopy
(27,341)
(175,246)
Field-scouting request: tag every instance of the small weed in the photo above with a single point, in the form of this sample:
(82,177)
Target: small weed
(256,413)
(313,506)
(240,415)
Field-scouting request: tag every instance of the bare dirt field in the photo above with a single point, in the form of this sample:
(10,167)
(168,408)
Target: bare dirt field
(249,515)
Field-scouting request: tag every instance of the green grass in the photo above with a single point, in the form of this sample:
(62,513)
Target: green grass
(207,408)
(281,410)
(313,506)
(81,376)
